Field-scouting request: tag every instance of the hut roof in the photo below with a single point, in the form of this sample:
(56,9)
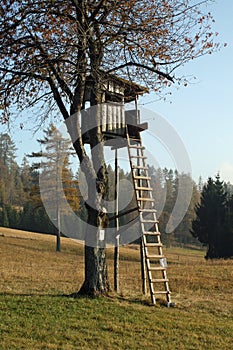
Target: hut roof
(131,89)
(116,85)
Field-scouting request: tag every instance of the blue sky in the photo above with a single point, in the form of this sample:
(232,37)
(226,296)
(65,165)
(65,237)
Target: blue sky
(201,113)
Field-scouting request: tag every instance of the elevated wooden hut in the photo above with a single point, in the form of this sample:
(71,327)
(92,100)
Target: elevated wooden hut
(112,115)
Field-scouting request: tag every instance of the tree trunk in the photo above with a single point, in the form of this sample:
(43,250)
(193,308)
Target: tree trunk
(94,169)
(96,278)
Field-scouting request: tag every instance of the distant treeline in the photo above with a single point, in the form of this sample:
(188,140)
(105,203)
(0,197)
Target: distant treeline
(21,206)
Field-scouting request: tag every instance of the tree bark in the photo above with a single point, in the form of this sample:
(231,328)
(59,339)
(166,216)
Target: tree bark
(96,278)
(94,169)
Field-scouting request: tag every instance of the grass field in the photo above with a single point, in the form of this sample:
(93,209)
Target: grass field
(36,312)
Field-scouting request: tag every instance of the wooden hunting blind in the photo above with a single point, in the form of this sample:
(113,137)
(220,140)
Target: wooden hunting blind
(122,128)
(113,119)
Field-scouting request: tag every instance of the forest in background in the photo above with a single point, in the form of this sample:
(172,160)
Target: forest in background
(21,206)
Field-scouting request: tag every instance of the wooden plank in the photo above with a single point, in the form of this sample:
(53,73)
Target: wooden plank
(133,129)
(159,280)
(148,220)
(136,146)
(144,188)
(150,233)
(148,210)
(139,157)
(139,167)
(140,177)
(153,245)
(143,199)
(154,256)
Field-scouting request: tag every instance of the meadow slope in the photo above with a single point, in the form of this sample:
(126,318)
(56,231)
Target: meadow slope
(36,311)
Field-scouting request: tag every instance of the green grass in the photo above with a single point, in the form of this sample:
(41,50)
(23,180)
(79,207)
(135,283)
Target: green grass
(53,322)
(35,312)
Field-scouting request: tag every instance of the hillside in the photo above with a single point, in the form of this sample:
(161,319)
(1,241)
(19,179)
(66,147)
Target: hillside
(37,314)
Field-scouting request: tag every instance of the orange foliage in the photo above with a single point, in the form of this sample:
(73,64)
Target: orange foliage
(47,47)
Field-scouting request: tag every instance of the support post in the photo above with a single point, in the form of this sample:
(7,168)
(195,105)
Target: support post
(58,241)
(142,251)
(117,237)
(143,267)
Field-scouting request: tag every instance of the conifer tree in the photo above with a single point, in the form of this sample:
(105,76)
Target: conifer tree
(4,221)
(229,227)
(8,172)
(210,223)
(56,174)
(182,231)
(11,187)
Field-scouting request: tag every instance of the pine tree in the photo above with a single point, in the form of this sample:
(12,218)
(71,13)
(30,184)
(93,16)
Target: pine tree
(210,223)
(4,221)
(11,189)
(27,221)
(26,175)
(7,166)
(7,150)
(56,176)
(182,231)
(229,227)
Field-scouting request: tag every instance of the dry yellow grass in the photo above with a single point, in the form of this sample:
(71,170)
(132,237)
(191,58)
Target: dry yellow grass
(29,264)
(35,315)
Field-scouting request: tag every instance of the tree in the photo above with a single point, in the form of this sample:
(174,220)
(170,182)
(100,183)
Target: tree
(49,49)
(56,176)
(210,223)
(11,187)
(228,249)
(26,174)
(182,231)
(8,169)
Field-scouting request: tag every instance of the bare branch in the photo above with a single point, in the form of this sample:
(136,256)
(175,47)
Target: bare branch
(60,80)
(140,65)
(58,98)
(22,73)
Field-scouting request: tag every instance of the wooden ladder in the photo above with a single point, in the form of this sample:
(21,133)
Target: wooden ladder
(151,247)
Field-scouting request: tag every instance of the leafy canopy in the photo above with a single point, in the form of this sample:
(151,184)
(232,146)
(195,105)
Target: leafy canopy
(49,47)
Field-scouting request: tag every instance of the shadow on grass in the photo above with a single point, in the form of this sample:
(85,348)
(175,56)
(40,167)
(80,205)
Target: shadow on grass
(11,294)
(77,296)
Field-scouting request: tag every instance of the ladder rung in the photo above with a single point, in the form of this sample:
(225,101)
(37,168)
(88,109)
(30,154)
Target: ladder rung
(138,157)
(148,210)
(139,177)
(136,146)
(158,280)
(162,292)
(144,188)
(151,233)
(157,269)
(148,220)
(153,245)
(145,199)
(134,138)
(155,256)
(139,167)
